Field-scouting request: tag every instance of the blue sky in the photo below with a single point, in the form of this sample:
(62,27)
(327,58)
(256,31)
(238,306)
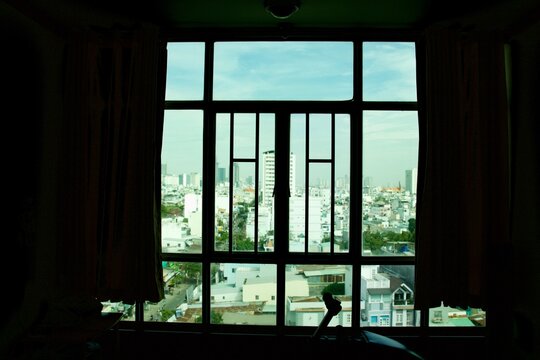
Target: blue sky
(297,71)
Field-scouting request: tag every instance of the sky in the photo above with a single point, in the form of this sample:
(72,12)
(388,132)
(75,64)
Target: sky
(295,71)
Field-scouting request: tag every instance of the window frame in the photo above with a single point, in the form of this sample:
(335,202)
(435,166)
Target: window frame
(282,109)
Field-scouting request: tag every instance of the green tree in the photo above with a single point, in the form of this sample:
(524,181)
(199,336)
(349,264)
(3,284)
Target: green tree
(166,314)
(412,229)
(241,243)
(373,240)
(334,289)
(215,318)
(168,211)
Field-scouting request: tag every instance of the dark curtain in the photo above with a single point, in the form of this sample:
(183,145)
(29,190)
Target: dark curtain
(463,199)
(110,236)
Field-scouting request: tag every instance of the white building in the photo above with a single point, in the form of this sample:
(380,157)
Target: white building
(297,218)
(269,176)
(310,310)
(260,289)
(195,223)
(411,177)
(173,180)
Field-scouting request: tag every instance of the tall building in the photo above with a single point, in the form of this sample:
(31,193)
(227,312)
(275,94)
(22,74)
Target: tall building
(269,176)
(195,178)
(410,180)
(236,172)
(221,177)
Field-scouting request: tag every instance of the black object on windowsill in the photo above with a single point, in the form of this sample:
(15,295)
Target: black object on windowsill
(367,344)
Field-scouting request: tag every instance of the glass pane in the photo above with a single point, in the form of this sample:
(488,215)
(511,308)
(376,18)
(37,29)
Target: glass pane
(244,136)
(304,286)
(243,294)
(243,217)
(342,182)
(266,182)
(181,182)
(297,201)
(447,316)
(389,71)
(185,71)
(319,207)
(387,296)
(221,211)
(127,310)
(320,136)
(183,294)
(285,70)
(390,152)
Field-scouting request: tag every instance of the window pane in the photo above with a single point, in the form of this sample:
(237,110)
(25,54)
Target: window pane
(342,182)
(221,211)
(387,296)
(243,216)
(446,316)
(183,294)
(127,310)
(389,71)
(185,71)
(297,201)
(243,294)
(319,207)
(285,70)
(266,181)
(320,136)
(244,136)
(390,152)
(304,286)
(181,181)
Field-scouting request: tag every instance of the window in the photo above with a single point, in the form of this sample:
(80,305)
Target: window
(289,168)
(267,189)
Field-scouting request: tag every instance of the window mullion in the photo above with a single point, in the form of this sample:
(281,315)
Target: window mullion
(256,220)
(281,210)
(306,188)
(232,180)
(209,160)
(332,181)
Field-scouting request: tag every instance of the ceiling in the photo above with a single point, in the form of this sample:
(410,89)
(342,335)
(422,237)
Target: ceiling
(194,14)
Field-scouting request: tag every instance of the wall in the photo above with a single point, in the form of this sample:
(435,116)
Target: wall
(30,67)
(525,252)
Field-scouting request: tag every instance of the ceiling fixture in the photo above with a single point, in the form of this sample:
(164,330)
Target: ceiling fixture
(281,9)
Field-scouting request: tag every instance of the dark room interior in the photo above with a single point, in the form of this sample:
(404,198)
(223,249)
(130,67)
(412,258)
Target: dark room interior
(84,227)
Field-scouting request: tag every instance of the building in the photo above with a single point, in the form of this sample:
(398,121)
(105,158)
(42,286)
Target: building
(269,176)
(411,178)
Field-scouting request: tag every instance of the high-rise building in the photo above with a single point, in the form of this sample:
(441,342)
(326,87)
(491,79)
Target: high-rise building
(269,176)
(410,180)
(221,177)
(195,178)
(236,172)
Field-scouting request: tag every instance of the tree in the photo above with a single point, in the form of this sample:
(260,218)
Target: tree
(412,229)
(373,240)
(215,318)
(168,211)
(166,314)
(242,243)
(334,289)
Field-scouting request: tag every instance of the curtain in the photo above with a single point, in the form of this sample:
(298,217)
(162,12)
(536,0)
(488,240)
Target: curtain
(110,237)
(463,195)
